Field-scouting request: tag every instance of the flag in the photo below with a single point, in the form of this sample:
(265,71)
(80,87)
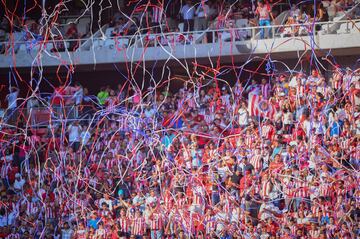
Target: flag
(259,107)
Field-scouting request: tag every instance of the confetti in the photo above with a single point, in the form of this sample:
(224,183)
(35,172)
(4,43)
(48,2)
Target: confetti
(177,152)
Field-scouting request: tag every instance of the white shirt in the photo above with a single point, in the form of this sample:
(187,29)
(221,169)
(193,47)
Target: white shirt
(150,200)
(243,116)
(187,12)
(149,113)
(12,216)
(74,135)
(203,10)
(12,98)
(306,126)
(293,82)
(288,118)
(79,95)
(18,184)
(269,206)
(31,103)
(85,137)
(108,202)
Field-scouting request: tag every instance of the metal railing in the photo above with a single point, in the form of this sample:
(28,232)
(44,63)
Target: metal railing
(54,108)
(40,116)
(193,37)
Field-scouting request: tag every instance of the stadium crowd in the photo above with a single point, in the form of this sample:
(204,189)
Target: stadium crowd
(155,17)
(277,158)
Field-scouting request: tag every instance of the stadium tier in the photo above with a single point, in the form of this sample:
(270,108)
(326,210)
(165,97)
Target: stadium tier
(171,119)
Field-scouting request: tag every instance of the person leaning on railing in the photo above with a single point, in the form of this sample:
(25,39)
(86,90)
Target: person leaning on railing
(263,12)
(72,34)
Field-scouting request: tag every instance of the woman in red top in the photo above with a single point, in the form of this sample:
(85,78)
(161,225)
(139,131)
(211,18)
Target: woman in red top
(72,34)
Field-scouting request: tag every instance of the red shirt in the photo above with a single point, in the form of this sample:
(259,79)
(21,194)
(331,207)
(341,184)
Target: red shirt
(58,96)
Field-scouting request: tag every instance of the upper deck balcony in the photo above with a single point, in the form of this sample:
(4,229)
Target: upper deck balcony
(232,44)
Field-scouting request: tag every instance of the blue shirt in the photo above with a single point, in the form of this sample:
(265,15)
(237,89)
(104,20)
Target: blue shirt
(167,140)
(335,129)
(276,151)
(188,12)
(178,124)
(93,223)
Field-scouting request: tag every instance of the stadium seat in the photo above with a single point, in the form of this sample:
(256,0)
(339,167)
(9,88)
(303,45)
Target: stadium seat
(197,38)
(109,31)
(67,45)
(120,43)
(181,27)
(98,44)
(110,43)
(22,47)
(83,26)
(225,36)
(67,24)
(36,48)
(355,28)
(344,28)
(241,23)
(49,46)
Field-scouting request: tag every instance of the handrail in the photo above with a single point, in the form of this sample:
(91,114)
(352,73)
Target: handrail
(186,33)
(336,26)
(87,43)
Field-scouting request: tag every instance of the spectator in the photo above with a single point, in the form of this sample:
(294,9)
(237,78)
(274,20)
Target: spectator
(102,95)
(156,18)
(188,14)
(66,232)
(331,10)
(263,11)
(12,98)
(172,11)
(202,13)
(73,35)
(74,135)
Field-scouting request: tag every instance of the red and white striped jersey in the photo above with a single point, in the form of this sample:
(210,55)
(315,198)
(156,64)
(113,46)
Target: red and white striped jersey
(256,162)
(300,90)
(265,188)
(267,131)
(157,13)
(315,210)
(138,226)
(302,189)
(324,190)
(80,234)
(209,118)
(31,208)
(197,199)
(249,140)
(111,163)
(50,211)
(326,211)
(124,224)
(5,170)
(337,80)
(340,191)
(210,224)
(180,202)
(191,103)
(13,236)
(156,221)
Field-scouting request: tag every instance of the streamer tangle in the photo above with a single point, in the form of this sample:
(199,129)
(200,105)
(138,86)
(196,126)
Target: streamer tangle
(265,148)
